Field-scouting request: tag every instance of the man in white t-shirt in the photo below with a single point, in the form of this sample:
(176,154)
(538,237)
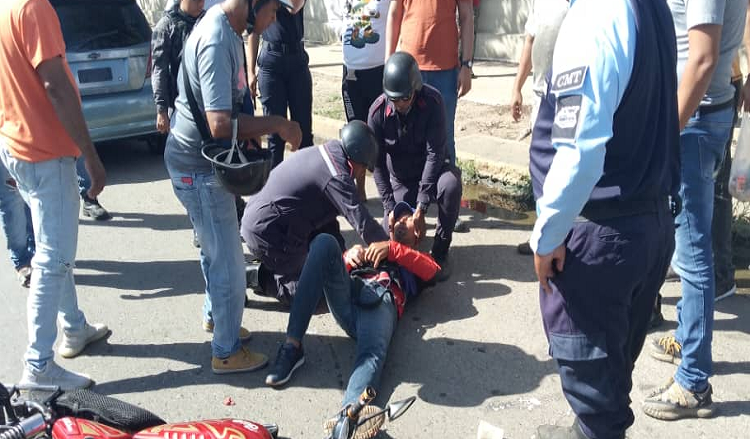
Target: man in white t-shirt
(361,25)
(541,29)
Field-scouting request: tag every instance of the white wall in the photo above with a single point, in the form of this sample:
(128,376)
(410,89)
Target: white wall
(499,33)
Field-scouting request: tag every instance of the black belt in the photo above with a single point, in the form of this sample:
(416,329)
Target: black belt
(284,47)
(708,109)
(607,209)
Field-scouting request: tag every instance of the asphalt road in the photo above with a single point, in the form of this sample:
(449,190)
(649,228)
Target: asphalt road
(471,349)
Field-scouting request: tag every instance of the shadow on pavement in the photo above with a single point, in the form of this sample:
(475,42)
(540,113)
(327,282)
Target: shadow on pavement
(737,305)
(730,409)
(137,277)
(460,373)
(161,222)
(129,161)
(450,372)
(729,368)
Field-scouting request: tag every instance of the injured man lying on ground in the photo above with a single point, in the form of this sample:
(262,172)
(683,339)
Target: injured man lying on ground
(366,291)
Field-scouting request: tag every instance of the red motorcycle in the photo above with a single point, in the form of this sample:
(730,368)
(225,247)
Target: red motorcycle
(48,413)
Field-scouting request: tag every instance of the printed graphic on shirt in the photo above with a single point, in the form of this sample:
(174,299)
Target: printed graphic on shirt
(566,118)
(569,80)
(360,31)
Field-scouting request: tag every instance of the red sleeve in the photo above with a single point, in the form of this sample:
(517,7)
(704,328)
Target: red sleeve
(422,265)
(40,30)
(346,263)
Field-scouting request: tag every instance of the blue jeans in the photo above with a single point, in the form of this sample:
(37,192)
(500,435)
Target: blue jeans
(49,189)
(83,178)
(324,275)
(446,82)
(701,152)
(16,219)
(214,216)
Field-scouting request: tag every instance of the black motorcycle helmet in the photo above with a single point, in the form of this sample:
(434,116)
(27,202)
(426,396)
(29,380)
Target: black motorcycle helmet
(360,144)
(240,173)
(292,5)
(401,76)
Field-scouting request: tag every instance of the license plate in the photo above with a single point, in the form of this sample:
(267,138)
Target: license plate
(95,75)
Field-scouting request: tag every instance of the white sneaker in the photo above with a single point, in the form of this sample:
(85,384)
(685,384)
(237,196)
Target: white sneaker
(53,375)
(72,344)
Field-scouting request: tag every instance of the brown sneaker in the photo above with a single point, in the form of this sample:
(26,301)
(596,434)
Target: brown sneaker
(370,428)
(666,349)
(245,335)
(671,402)
(243,360)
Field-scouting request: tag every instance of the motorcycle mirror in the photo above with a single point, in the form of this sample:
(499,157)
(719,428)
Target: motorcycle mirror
(341,430)
(398,408)
(272,429)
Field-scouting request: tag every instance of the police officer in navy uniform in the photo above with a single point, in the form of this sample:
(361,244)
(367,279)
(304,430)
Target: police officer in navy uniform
(301,199)
(604,163)
(408,120)
(283,76)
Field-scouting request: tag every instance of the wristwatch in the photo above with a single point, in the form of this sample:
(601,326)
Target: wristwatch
(423,207)
(468,63)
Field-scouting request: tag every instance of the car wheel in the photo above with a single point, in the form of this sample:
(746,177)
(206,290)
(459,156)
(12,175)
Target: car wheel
(156,144)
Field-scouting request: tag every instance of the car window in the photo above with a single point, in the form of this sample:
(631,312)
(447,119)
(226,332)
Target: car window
(101,24)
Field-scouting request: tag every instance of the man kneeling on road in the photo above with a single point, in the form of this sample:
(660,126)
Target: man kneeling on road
(409,123)
(366,291)
(301,199)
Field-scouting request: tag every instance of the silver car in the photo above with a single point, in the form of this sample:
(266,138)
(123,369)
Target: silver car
(108,48)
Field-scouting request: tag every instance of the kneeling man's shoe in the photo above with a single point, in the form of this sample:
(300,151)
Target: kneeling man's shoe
(252,277)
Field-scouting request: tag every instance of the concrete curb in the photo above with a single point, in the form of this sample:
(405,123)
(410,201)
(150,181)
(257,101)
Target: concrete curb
(508,178)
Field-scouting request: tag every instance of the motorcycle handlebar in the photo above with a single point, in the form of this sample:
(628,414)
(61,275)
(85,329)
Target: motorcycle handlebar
(28,428)
(352,412)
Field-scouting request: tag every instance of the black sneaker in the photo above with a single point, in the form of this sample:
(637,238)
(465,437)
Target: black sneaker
(92,209)
(657,319)
(288,359)
(252,278)
(524,248)
(445,268)
(461,227)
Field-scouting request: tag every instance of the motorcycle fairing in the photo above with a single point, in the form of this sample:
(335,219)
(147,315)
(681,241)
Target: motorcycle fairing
(214,429)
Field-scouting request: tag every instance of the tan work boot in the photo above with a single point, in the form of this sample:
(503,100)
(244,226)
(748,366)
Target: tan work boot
(245,335)
(244,360)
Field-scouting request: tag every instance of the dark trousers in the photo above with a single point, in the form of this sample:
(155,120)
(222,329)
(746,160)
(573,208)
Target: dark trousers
(359,89)
(448,198)
(721,225)
(285,83)
(282,265)
(597,317)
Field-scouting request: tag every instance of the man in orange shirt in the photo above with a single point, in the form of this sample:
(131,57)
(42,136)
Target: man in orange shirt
(42,132)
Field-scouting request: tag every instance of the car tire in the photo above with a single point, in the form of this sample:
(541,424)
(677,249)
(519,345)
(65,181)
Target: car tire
(156,144)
